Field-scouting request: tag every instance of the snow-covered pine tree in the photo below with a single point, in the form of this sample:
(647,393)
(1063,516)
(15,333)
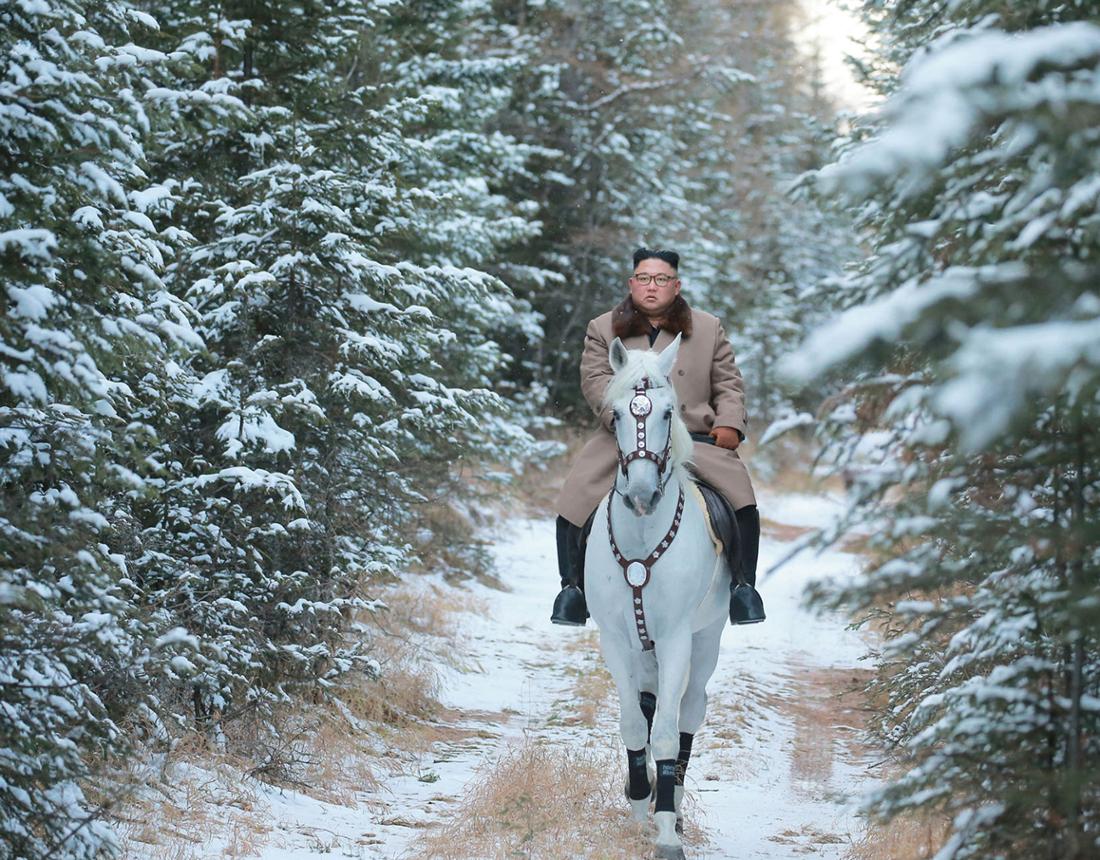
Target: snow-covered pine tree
(760,251)
(679,124)
(969,430)
(595,98)
(91,346)
(343,207)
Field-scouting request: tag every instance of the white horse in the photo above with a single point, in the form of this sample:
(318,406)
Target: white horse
(655,585)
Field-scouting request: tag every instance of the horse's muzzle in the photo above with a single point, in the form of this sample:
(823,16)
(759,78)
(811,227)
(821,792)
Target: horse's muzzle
(643,507)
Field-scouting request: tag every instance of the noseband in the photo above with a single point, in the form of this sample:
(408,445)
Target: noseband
(640,407)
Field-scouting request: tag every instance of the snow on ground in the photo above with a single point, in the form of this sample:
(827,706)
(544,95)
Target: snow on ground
(776,767)
(811,510)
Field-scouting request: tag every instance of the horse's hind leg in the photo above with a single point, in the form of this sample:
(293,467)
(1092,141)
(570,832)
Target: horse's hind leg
(704,657)
(633,726)
(648,701)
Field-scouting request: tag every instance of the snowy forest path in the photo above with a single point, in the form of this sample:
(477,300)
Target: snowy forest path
(777,763)
(524,758)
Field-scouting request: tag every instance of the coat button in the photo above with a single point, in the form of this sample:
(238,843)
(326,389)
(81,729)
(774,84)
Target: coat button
(680,372)
(683,407)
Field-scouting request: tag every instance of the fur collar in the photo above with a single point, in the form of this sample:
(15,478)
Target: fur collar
(627,321)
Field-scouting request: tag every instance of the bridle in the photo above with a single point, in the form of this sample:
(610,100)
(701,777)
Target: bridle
(637,572)
(640,407)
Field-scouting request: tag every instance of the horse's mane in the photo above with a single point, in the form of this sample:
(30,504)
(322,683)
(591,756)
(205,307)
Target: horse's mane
(642,364)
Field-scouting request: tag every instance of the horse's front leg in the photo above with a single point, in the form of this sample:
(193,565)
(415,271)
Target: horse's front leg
(673,671)
(705,646)
(633,726)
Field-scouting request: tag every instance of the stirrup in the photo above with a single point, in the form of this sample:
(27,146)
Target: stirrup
(746,605)
(570,608)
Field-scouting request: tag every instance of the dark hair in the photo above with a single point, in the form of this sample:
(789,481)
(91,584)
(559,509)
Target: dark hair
(670,257)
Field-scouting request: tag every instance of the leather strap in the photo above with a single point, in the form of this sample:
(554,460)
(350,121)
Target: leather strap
(637,572)
(640,407)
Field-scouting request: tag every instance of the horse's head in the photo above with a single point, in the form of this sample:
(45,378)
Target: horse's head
(651,436)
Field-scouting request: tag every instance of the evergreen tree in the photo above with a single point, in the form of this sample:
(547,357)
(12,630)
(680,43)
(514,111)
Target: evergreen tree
(675,124)
(89,339)
(763,251)
(188,524)
(968,430)
(342,220)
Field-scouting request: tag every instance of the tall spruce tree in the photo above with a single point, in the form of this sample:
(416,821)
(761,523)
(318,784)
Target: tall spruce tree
(762,249)
(187,524)
(968,430)
(345,197)
(91,344)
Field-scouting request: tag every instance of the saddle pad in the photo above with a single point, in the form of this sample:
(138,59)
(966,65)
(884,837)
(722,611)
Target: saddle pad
(721,525)
(704,505)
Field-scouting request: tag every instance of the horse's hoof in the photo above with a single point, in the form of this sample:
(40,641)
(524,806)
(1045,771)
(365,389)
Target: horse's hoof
(669,852)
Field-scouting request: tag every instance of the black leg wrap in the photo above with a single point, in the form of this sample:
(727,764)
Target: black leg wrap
(684,757)
(648,702)
(639,787)
(666,785)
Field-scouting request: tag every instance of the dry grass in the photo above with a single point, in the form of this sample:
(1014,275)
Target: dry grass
(203,797)
(541,800)
(782,531)
(331,750)
(593,687)
(200,801)
(907,837)
(410,639)
(829,711)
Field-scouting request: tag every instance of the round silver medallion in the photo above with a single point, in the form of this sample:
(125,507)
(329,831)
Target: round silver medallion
(636,574)
(640,405)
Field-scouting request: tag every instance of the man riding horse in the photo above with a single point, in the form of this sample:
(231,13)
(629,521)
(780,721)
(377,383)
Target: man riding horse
(709,387)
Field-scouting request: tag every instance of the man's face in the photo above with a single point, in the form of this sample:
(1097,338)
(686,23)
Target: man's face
(652,299)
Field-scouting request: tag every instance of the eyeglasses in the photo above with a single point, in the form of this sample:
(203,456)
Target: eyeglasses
(645,279)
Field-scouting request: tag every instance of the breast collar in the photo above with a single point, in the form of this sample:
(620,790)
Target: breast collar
(637,571)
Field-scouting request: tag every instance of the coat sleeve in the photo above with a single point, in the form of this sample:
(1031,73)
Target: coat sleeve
(596,372)
(727,387)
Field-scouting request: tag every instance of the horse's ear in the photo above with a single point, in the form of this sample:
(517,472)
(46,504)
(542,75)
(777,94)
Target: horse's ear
(667,358)
(617,355)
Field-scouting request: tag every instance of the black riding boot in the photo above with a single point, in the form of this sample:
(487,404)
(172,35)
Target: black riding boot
(746,607)
(569,607)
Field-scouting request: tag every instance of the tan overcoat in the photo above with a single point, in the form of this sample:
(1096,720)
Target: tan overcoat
(711,393)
